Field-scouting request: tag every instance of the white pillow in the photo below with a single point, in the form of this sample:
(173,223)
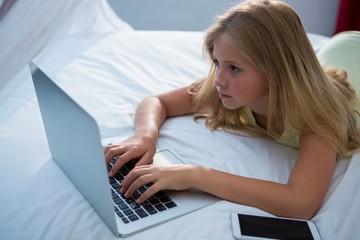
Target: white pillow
(343,51)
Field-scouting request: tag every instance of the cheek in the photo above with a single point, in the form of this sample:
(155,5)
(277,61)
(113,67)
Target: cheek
(240,90)
(263,87)
(249,90)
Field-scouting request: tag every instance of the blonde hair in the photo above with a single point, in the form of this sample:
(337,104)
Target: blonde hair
(301,92)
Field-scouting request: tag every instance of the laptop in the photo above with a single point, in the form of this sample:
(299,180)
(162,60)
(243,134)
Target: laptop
(75,145)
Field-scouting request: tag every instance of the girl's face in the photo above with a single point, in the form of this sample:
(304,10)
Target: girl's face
(237,80)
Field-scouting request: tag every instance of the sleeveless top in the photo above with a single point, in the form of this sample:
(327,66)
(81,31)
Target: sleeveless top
(289,137)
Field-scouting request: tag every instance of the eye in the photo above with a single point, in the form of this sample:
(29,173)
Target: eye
(216,62)
(234,69)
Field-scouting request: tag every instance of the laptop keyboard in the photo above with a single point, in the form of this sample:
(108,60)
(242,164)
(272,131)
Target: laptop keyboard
(127,208)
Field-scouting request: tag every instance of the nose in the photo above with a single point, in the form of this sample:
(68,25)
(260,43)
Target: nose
(220,79)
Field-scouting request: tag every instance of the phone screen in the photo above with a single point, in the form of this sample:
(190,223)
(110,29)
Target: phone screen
(278,228)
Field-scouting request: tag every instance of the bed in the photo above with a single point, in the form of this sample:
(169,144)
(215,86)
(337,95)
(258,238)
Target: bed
(108,71)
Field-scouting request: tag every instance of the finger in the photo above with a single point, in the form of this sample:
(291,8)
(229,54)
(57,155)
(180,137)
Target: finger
(109,146)
(113,151)
(146,159)
(148,193)
(132,176)
(117,165)
(121,160)
(127,156)
(134,153)
(135,185)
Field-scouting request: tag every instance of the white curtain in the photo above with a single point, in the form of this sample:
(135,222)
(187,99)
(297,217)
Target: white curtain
(27,25)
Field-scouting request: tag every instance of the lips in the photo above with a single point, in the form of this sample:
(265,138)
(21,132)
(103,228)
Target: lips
(223,96)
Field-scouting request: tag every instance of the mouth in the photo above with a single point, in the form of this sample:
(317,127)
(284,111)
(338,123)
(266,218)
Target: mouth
(223,96)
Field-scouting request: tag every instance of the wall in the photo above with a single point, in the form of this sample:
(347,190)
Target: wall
(318,16)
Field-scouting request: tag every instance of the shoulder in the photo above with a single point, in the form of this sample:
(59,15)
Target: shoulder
(313,148)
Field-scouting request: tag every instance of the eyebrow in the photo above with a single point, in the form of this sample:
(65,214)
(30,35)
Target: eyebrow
(230,62)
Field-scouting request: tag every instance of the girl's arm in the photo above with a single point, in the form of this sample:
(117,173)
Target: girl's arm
(301,197)
(149,116)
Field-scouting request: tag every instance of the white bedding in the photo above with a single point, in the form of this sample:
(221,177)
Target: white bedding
(108,74)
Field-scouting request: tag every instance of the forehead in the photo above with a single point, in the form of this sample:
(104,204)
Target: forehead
(223,50)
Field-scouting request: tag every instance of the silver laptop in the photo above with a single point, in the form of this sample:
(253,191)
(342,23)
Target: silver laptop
(75,145)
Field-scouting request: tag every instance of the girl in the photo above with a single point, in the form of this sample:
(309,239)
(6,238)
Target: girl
(265,80)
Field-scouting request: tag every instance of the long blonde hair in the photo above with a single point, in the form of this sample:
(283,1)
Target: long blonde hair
(301,92)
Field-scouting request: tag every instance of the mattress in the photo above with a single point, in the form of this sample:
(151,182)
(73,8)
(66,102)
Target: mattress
(108,73)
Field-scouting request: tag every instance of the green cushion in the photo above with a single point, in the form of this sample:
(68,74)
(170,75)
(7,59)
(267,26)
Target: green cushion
(343,51)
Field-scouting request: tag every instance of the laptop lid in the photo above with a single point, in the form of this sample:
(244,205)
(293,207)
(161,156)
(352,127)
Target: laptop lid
(74,142)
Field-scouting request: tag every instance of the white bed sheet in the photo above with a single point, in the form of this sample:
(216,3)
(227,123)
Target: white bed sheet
(108,75)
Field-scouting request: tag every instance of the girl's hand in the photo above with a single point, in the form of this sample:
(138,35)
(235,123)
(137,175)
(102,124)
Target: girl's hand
(138,146)
(172,177)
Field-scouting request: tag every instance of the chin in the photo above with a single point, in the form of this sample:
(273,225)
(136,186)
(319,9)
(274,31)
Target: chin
(230,107)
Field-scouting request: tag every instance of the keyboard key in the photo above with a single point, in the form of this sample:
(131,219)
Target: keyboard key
(115,185)
(119,177)
(120,214)
(150,209)
(117,201)
(160,194)
(116,209)
(160,207)
(125,220)
(130,201)
(136,195)
(123,171)
(141,213)
(123,206)
(122,195)
(153,200)
(134,206)
(165,199)
(170,204)
(142,189)
(130,165)
(114,195)
(133,217)
(128,212)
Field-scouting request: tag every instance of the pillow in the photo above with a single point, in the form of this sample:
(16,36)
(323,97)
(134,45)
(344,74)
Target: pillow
(343,51)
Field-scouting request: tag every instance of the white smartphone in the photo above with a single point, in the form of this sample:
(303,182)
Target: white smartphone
(252,227)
